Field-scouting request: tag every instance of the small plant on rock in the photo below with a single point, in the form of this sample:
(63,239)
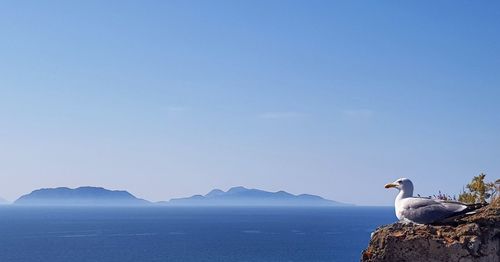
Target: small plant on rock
(479,191)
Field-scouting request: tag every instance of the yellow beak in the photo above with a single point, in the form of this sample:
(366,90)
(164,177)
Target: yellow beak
(390,185)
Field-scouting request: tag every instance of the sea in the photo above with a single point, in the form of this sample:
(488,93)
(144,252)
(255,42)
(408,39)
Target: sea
(144,234)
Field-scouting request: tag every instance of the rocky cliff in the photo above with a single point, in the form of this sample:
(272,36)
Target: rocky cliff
(471,238)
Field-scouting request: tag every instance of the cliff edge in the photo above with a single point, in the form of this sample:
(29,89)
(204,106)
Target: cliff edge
(470,238)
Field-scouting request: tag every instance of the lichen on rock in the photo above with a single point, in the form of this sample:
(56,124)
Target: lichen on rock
(470,238)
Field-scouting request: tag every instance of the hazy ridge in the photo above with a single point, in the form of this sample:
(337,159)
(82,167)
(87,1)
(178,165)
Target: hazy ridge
(236,196)
(241,196)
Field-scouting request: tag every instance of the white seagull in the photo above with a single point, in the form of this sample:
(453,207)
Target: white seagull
(423,210)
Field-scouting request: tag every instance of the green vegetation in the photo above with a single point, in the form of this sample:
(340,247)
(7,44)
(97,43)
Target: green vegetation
(479,191)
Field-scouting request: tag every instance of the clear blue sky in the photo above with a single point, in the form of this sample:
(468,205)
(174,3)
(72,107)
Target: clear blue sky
(173,98)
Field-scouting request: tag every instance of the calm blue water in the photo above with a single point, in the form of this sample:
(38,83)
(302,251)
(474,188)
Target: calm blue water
(187,234)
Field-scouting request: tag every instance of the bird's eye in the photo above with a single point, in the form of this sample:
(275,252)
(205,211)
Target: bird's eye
(399,181)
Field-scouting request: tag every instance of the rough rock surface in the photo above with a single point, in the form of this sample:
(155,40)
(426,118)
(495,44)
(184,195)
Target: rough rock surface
(471,238)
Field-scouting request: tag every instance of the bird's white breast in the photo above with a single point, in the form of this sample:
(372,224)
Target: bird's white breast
(401,204)
(399,210)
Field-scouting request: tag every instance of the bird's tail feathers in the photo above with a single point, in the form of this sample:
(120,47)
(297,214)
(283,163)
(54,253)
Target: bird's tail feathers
(473,207)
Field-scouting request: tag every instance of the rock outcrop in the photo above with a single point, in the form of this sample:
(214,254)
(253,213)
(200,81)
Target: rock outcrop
(471,238)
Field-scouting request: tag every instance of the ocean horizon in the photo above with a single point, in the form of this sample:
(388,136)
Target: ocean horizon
(159,233)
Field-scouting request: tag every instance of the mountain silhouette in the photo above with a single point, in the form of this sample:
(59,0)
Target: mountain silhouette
(241,196)
(81,196)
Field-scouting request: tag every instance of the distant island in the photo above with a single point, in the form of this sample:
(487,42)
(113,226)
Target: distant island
(241,196)
(82,196)
(3,201)
(236,196)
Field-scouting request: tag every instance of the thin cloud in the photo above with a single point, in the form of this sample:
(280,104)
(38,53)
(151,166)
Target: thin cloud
(281,115)
(359,113)
(177,109)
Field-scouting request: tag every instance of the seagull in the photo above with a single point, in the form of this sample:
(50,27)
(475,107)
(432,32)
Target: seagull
(422,210)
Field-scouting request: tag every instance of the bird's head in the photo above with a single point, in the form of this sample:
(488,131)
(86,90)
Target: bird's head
(403,184)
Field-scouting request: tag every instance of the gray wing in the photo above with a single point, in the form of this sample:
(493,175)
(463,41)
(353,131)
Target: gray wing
(426,211)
